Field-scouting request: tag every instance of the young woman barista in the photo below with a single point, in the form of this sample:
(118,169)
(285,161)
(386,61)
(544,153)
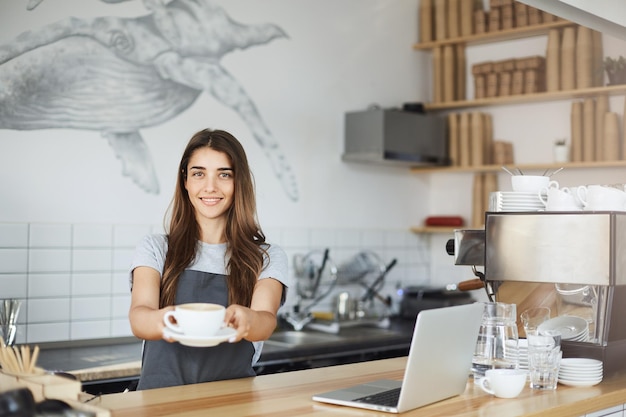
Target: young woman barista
(214,252)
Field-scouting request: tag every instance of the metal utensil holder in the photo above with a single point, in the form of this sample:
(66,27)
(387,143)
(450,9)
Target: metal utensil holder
(9,311)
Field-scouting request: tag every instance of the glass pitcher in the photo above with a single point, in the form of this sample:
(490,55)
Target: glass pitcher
(497,343)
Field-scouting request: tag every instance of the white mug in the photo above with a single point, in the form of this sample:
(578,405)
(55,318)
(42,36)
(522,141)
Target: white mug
(599,197)
(503,383)
(529,183)
(195,319)
(555,199)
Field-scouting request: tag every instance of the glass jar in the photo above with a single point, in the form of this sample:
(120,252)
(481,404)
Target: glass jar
(497,343)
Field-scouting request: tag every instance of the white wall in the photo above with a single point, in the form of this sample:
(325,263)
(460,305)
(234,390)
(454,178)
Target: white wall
(340,56)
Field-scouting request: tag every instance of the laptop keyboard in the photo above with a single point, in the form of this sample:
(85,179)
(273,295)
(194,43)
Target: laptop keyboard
(388,398)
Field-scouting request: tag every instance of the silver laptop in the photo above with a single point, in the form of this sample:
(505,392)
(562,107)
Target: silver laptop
(438,366)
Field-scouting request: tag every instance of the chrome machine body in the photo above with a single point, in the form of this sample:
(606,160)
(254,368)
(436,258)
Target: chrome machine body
(572,262)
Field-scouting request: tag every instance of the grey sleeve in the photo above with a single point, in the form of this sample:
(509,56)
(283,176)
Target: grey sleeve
(277,268)
(149,252)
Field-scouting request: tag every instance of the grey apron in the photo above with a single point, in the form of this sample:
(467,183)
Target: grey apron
(167,364)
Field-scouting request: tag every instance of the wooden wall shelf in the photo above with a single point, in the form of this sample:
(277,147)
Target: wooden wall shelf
(529,98)
(523,167)
(433,229)
(501,35)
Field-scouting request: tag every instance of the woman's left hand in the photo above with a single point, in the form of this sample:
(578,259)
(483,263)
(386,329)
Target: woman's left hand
(239,318)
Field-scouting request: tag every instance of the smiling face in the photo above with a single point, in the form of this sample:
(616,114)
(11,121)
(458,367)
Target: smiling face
(210,183)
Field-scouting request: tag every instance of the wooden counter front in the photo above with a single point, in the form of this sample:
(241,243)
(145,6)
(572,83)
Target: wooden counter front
(289,394)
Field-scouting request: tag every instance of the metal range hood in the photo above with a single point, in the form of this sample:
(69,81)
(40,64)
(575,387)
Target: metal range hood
(606,16)
(395,137)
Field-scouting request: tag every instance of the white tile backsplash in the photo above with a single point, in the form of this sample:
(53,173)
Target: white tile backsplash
(50,235)
(91,283)
(74,277)
(120,305)
(128,236)
(92,260)
(121,328)
(13,285)
(13,260)
(48,332)
(49,260)
(93,235)
(294,237)
(49,285)
(48,310)
(90,308)
(121,283)
(350,238)
(81,330)
(122,258)
(13,235)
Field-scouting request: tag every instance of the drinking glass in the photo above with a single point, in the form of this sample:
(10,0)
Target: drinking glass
(533,317)
(544,359)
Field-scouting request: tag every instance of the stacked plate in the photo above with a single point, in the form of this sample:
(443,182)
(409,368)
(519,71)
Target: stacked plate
(523,354)
(580,372)
(571,327)
(515,201)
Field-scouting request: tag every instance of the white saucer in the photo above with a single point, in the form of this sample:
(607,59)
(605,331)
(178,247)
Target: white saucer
(580,363)
(571,327)
(222,335)
(580,383)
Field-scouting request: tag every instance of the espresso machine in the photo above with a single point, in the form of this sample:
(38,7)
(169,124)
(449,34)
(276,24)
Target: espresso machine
(572,262)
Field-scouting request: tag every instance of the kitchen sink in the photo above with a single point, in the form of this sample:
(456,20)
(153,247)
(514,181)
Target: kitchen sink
(291,338)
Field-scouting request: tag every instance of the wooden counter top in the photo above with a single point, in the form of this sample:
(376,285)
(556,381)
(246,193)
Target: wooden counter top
(289,394)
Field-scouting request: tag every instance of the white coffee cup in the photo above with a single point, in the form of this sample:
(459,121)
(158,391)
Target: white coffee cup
(559,199)
(195,319)
(529,183)
(599,197)
(503,383)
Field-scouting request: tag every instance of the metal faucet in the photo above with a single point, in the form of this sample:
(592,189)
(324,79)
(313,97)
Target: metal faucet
(299,320)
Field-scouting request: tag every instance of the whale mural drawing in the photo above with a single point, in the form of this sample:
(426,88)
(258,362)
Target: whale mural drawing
(118,75)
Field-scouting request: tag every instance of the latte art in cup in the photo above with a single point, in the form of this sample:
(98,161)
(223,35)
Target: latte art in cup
(196,319)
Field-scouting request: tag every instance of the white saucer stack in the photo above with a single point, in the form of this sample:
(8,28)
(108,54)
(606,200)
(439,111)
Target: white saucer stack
(580,372)
(523,354)
(571,327)
(515,201)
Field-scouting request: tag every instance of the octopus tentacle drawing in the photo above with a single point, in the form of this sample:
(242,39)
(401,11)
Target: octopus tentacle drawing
(119,75)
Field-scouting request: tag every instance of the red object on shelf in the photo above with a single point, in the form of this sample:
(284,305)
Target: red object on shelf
(444,221)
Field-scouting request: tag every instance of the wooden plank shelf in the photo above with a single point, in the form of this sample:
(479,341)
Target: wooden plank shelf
(529,98)
(434,229)
(525,168)
(497,36)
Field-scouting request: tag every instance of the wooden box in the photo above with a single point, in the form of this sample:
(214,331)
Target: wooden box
(533,81)
(520,13)
(480,86)
(534,16)
(495,19)
(480,21)
(492,84)
(507,22)
(517,82)
(506,83)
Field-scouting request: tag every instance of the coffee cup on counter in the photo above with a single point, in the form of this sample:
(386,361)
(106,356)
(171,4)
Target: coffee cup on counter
(600,197)
(559,199)
(195,319)
(503,383)
(530,183)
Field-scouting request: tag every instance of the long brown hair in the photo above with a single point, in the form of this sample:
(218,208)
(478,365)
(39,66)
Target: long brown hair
(244,237)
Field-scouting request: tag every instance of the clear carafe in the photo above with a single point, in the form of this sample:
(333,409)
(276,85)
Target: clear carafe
(497,343)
